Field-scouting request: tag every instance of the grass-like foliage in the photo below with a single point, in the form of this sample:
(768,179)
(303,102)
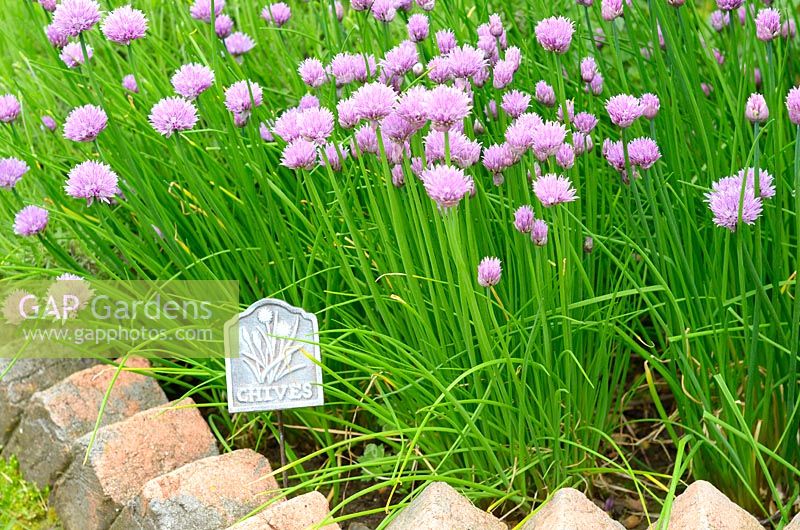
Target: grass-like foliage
(635,269)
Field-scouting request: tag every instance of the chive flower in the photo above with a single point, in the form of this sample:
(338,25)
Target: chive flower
(191,80)
(756,110)
(85,123)
(555,34)
(447,185)
(552,189)
(173,114)
(277,14)
(30,221)
(124,25)
(489,272)
(73,17)
(11,171)
(10,108)
(92,181)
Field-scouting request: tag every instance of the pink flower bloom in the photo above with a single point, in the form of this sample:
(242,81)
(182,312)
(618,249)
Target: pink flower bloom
(445,41)
(242,96)
(463,151)
(465,61)
(332,153)
(239,43)
(55,36)
(49,123)
(300,154)
(614,154)
(266,134)
(85,123)
(346,68)
(552,189)
(520,134)
(30,221)
(623,109)
(545,94)
(384,10)
(92,180)
(72,17)
(287,126)
(489,272)
(374,101)
(72,54)
(124,25)
(768,24)
(515,103)
(309,101)
(312,72)
(400,59)
(347,114)
(398,128)
(361,5)
(315,124)
(719,20)
(411,105)
(446,106)
(223,26)
(447,185)
(201,9)
(48,5)
(547,138)
(565,156)
(129,84)
(398,177)
(588,69)
(427,5)
(729,5)
(584,122)
(278,13)
(191,80)
(497,158)
(793,105)
(581,142)
(596,85)
(725,198)
(539,233)
(173,114)
(418,28)
(11,171)
(555,34)
(523,219)
(755,110)
(650,105)
(643,152)
(503,74)
(570,104)
(611,9)
(766,186)
(789,29)
(10,108)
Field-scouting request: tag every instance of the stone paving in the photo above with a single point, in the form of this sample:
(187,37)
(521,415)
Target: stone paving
(152,465)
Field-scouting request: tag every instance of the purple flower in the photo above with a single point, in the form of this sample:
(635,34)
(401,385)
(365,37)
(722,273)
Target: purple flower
(191,80)
(789,29)
(552,189)
(793,105)
(611,9)
(614,154)
(623,109)
(55,36)
(539,233)
(308,101)
(596,85)
(332,153)
(239,43)
(384,10)
(643,152)
(545,94)
(555,34)
(581,142)
(523,219)
(11,170)
(400,59)
(588,69)
(278,14)
(719,20)
(85,123)
(30,221)
(489,272)
(398,177)
(201,9)
(445,41)
(410,106)
(520,134)
(242,96)
(173,114)
(287,125)
(346,68)
(129,83)
(300,154)
(584,122)
(418,28)
(565,156)
(768,24)
(72,54)
(223,26)
(427,5)
(367,139)
(92,180)
(10,108)
(547,138)
(374,101)
(312,72)
(650,105)
(756,109)
(729,5)
(503,73)
(48,5)
(315,124)
(447,185)
(570,104)
(49,122)
(446,106)
(124,25)
(398,128)
(463,151)
(266,134)
(497,158)
(515,103)
(72,17)
(465,61)
(347,114)
(361,5)
(725,196)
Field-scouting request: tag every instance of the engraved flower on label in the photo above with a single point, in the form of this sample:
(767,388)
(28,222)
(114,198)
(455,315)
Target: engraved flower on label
(268,348)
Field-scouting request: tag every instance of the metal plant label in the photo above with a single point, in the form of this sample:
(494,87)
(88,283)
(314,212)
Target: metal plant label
(273,359)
